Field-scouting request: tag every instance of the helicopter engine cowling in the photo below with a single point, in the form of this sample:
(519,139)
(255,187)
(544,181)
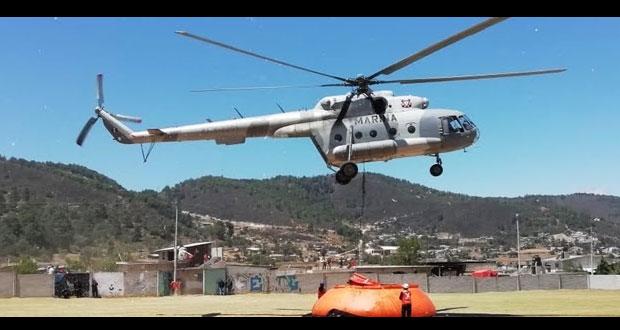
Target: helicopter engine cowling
(385,149)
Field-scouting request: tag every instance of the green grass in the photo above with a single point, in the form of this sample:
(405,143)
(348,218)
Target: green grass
(548,303)
(542,303)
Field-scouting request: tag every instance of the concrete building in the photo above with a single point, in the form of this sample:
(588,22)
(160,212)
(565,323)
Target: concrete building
(385,250)
(195,257)
(558,265)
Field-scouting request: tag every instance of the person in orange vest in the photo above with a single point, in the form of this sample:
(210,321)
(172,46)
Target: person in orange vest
(321,289)
(405,299)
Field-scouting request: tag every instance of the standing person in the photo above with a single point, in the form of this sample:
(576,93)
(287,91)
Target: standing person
(220,287)
(229,286)
(405,299)
(321,289)
(95,286)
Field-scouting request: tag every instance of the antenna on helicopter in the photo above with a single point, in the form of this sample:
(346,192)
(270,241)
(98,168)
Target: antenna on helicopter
(280,108)
(239,113)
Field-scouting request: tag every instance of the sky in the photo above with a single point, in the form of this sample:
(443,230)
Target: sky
(551,134)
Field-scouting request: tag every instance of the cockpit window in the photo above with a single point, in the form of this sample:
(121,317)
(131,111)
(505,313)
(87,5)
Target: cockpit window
(455,125)
(467,123)
(451,124)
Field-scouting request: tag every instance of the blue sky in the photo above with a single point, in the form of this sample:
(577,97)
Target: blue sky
(554,134)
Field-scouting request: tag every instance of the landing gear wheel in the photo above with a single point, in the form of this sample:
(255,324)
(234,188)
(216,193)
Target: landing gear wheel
(349,169)
(436,170)
(342,179)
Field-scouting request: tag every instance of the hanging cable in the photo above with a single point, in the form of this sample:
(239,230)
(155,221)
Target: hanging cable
(361,248)
(145,157)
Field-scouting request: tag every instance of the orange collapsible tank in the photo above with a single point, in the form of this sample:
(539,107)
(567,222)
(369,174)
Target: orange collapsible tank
(365,297)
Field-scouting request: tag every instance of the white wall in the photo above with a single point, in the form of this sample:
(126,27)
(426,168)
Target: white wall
(110,284)
(605,282)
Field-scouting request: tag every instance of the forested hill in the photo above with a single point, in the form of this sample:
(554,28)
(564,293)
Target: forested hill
(286,200)
(47,207)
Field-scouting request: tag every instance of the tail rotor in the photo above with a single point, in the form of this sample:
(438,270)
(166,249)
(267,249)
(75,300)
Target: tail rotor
(91,121)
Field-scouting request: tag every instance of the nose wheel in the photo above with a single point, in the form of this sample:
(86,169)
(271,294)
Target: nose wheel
(437,169)
(346,173)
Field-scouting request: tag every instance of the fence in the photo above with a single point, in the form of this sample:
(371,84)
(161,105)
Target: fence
(605,282)
(257,279)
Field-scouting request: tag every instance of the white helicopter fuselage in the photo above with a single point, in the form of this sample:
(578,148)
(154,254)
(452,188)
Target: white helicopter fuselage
(405,128)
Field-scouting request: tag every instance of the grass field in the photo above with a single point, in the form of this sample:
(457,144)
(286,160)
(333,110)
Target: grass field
(544,303)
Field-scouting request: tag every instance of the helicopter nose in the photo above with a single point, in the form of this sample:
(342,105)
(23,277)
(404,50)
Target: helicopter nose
(476,134)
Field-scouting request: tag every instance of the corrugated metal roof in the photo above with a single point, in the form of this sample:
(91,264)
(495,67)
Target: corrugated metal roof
(186,245)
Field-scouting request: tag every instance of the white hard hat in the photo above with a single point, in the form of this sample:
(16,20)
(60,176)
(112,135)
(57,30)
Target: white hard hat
(405,286)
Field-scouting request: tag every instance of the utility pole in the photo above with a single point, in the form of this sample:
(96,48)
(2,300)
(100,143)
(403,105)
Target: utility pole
(591,251)
(518,255)
(176,223)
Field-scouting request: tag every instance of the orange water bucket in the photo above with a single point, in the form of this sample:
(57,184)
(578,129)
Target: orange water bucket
(371,300)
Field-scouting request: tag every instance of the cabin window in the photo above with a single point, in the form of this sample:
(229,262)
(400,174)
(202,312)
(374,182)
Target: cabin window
(393,131)
(358,135)
(373,133)
(411,129)
(338,137)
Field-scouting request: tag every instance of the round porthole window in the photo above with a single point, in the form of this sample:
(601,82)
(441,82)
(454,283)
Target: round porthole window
(411,129)
(373,133)
(358,135)
(338,137)
(393,131)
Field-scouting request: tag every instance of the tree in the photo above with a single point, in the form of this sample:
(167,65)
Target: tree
(408,251)
(76,265)
(26,265)
(230,229)
(603,268)
(219,229)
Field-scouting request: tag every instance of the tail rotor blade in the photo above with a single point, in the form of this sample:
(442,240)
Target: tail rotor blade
(86,129)
(100,90)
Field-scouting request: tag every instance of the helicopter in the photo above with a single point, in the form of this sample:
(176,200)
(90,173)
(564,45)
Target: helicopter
(361,126)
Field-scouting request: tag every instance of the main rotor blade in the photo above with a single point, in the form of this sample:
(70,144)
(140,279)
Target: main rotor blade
(442,44)
(100,90)
(266,87)
(468,77)
(345,107)
(223,45)
(85,130)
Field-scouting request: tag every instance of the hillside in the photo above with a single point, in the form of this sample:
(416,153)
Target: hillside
(47,207)
(290,200)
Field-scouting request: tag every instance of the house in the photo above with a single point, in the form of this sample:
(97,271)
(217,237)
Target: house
(572,263)
(611,250)
(575,250)
(193,253)
(563,238)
